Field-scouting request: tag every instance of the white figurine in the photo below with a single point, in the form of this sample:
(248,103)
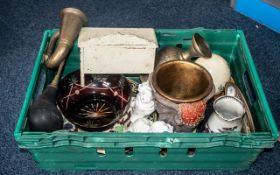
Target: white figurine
(144,102)
(161,126)
(145,125)
(140,125)
(142,106)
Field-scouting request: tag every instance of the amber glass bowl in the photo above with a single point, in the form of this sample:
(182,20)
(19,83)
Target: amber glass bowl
(97,105)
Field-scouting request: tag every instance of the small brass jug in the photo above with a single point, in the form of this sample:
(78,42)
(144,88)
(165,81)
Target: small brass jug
(199,48)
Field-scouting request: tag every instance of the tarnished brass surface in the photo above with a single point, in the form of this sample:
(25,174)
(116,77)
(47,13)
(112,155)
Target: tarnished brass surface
(167,54)
(38,118)
(199,48)
(182,81)
(72,21)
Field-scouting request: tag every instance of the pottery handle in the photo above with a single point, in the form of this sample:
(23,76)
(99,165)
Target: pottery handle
(230,91)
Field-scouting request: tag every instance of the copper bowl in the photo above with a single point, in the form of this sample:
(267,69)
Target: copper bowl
(96,106)
(182,81)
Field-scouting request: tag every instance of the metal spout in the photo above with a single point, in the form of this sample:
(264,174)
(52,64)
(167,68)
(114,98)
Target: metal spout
(199,48)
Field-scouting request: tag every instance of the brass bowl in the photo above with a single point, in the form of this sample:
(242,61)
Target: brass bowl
(182,81)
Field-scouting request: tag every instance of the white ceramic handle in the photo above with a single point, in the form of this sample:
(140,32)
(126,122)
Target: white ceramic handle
(230,91)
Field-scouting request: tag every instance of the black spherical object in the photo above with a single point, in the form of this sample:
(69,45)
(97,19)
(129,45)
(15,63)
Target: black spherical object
(43,113)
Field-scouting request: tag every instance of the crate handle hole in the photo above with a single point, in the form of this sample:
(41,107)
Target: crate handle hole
(128,151)
(179,46)
(191,152)
(249,87)
(23,150)
(163,152)
(101,152)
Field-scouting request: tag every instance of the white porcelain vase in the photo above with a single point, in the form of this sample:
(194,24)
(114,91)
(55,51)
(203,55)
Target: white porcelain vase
(218,68)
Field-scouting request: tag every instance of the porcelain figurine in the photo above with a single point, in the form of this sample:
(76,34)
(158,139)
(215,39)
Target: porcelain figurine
(144,125)
(218,68)
(144,103)
(160,126)
(140,125)
(227,115)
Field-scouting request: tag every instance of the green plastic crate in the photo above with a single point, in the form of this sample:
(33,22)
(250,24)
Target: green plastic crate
(156,151)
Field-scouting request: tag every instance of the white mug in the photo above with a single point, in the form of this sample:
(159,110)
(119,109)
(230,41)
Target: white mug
(227,115)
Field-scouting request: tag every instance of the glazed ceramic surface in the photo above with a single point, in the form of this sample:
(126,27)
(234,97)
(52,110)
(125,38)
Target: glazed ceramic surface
(98,104)
(227,115)
(218,68)
(248,123)
(144,102)
(144,125)
(160,126)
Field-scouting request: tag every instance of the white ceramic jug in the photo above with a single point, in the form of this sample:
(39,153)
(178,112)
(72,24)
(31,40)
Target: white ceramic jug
(227,115)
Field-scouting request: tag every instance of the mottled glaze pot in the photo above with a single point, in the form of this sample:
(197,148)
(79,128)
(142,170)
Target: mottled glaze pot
(97,105)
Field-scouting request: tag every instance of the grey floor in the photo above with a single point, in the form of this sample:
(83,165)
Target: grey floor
(21,27)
